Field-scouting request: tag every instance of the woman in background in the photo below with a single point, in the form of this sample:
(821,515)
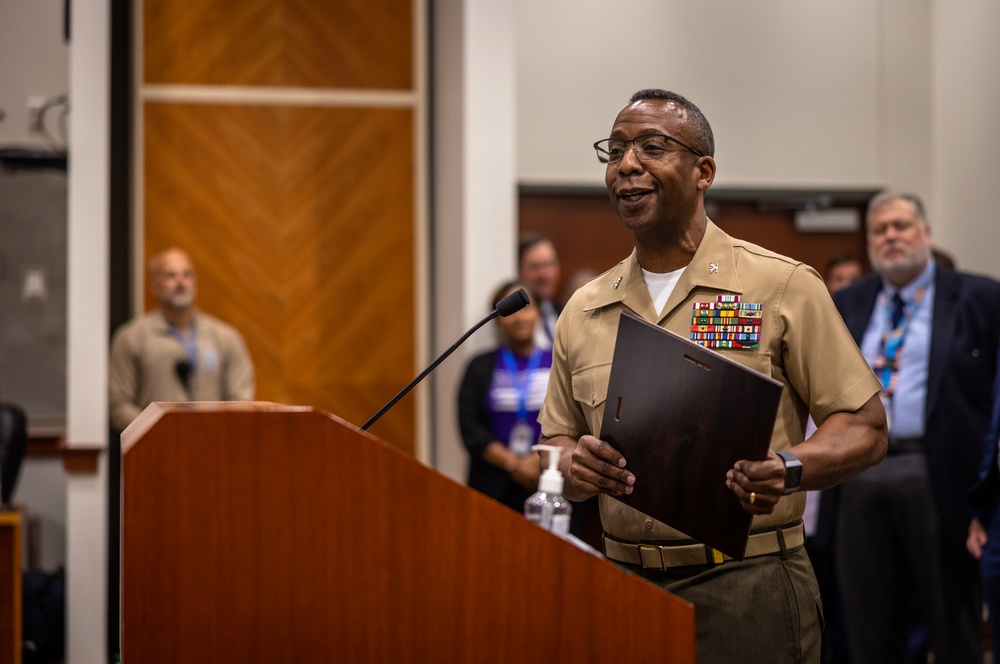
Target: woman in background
(498,405)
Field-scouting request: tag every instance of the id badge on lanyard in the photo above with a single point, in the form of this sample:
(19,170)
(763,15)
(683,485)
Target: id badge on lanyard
(523,433)
(521,438)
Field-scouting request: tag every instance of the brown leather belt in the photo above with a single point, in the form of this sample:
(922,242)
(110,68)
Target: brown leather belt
(781,539)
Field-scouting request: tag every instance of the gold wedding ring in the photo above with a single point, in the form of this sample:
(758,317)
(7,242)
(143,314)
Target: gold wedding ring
(753,497)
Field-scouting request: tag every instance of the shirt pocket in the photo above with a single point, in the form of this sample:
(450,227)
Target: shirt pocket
(758,360)
(590,391)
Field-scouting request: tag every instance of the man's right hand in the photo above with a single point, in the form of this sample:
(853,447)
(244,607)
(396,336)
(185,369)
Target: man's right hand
(591,466)
(976,540)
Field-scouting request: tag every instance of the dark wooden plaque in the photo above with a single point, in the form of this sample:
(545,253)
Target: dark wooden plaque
(682,415)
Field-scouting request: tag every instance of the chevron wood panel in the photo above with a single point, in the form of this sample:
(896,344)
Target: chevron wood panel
(313,43)
(301,225)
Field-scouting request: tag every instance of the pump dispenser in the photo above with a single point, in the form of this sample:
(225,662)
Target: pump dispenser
(547,507)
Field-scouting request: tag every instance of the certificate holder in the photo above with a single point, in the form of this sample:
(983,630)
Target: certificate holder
(682,416)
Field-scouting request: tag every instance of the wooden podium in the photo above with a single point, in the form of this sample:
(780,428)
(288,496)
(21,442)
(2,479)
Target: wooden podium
(261,533)
(11,637)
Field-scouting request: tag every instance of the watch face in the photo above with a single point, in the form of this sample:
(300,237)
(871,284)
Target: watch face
(793,471)
(793,476)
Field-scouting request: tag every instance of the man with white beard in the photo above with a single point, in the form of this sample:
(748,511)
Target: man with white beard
(930,335)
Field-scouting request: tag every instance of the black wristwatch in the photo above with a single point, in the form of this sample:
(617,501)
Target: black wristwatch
(793,471)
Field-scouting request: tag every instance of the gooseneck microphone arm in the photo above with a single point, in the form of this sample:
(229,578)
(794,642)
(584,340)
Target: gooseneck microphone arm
(514,302)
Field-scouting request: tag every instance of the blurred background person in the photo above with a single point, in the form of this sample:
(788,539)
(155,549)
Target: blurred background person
(538,266)
(943,259)
(984,531)
(498,403)
(576,280)
(176,352)
(931,336)
(842,270)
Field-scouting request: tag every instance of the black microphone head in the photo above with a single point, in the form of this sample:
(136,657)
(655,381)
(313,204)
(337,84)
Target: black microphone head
(512,303)
(183,370)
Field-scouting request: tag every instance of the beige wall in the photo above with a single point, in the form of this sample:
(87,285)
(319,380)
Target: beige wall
(791,88)
(966,136)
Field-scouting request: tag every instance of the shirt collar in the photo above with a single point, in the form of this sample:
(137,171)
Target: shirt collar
(713,266)
(164,326)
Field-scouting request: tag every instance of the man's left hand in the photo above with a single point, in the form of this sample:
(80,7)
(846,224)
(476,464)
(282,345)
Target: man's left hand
(758,484)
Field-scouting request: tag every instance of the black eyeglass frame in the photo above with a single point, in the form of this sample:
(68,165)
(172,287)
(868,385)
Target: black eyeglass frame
(604,156)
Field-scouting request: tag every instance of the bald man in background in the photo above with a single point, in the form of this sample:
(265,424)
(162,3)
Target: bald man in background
(176,352)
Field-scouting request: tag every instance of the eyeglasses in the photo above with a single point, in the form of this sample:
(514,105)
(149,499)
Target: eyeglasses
(647,146)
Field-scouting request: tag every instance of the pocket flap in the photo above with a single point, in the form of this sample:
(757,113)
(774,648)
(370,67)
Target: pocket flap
(590,384)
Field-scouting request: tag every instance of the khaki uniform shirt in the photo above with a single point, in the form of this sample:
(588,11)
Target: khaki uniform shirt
(804,345)
(143,366)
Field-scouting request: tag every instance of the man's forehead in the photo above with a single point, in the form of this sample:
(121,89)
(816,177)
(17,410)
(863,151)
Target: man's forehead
(175,261)
(653,113)
(665,106)
(895,209)
(543,251)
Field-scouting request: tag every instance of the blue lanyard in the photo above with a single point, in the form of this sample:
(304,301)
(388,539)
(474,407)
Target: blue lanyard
(190,345)
(521,379)
(890,350)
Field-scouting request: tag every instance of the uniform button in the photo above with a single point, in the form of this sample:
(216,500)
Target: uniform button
(649,524)
(975,352)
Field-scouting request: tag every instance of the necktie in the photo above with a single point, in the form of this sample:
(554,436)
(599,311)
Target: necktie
(897,310)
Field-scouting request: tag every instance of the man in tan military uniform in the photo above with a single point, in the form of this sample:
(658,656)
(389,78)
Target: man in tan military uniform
(766,607)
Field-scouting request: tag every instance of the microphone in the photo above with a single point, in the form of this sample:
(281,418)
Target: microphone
(511,304)
(183,371)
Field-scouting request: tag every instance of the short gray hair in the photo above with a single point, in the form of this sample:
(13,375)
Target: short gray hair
(887,197)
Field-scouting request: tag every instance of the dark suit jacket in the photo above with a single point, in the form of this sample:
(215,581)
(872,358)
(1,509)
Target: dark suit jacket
(965,331)
(985,495)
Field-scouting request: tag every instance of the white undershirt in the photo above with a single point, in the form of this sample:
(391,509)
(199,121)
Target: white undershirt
(661,285)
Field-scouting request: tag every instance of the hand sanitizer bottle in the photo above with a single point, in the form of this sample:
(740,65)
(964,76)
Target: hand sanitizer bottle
(547,507)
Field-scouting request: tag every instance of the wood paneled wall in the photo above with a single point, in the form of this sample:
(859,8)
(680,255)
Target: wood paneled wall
(319,44)
(278,143)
